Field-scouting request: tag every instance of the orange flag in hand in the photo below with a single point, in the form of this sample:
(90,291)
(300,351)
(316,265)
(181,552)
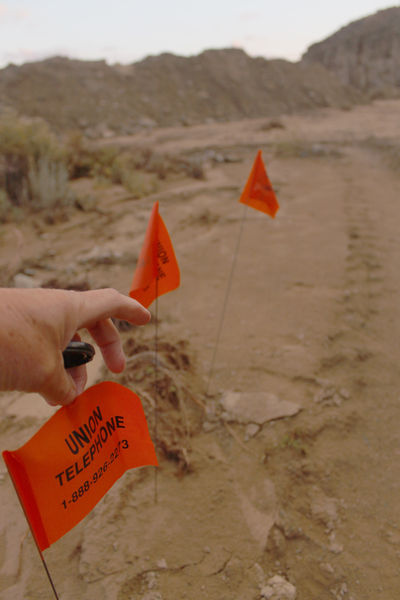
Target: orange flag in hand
(63,471)
(258,192)
(157,270)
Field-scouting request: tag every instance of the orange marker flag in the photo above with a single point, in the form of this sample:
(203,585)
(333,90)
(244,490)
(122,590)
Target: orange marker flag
(157,270)
(258,192)
(63,471)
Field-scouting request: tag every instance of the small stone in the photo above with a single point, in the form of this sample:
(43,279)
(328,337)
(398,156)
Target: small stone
(251,431)
(327,567)
(334,546)
(256,571)
(278,588)
(207,426)
(25,281)
(337,400)
(319,396)
(256,407)
(162,563)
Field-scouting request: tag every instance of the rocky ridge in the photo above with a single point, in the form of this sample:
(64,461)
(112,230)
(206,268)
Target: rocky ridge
(365,54)
(167,90)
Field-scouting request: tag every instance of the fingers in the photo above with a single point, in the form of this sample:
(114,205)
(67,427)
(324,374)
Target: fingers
(93,310)
(107,337)
(97,305)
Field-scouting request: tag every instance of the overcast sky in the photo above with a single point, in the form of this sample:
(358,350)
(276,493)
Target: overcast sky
(128,30)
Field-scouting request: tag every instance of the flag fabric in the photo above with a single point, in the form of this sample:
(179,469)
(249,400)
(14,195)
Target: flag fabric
(63,471)
(258,192)
(157,270)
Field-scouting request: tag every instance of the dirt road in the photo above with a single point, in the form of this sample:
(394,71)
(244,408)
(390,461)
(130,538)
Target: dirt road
(310,492)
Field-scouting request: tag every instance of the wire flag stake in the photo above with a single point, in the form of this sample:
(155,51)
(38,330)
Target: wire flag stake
(53,587)
(258,194)
(157,272)
(156,394)
(225,302)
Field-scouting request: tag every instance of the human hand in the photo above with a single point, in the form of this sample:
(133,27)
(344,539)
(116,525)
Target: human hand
(36,325)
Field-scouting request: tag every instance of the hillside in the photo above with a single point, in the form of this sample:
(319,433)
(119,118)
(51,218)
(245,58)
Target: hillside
(217,85)
(364,54)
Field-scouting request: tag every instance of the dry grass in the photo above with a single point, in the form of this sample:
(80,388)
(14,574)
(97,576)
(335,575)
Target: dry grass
(33,173)
(36,167)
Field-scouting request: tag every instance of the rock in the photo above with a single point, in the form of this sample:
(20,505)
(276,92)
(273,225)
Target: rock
(146,123)
(207,426)
(278,588)
(251,431)
(276,542)
(334,546)
(257,573)
(162,563)
(25,281)
(330,396)
(259,507)
(256,407)
(100,256)
(323,508)
(327,568)
(364,54)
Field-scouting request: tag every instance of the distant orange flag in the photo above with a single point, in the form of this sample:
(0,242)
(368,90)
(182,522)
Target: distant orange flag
(157,270)
(258,192)
(62,472)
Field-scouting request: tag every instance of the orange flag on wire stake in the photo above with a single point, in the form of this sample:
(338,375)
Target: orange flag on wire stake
(258,192)
(63,471)
(157,270)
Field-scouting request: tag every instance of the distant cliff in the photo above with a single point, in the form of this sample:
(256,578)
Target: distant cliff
(365,54)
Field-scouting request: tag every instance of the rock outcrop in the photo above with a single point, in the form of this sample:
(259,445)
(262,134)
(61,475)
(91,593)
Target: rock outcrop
(365,54)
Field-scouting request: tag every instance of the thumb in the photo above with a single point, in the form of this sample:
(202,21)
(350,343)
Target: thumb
(59,387)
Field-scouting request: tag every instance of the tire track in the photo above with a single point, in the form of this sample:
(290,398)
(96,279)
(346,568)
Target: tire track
(361,356)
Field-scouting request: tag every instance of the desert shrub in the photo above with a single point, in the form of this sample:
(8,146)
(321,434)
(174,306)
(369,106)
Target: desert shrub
(164,165)
(130,165)
(7,210)
(78,156)
(33,173)
(137,169)
(84,159)
(195,169)
(272,124)
(123,164)
(48,183)
(141,157)
(103,161)
(389,150)
(305,149)
(140,184)
(124,171)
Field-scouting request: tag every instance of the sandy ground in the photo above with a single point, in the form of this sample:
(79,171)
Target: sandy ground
(290,464)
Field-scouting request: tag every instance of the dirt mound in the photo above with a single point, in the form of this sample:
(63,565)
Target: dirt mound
(217,85)
(364,54)
(167,383)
